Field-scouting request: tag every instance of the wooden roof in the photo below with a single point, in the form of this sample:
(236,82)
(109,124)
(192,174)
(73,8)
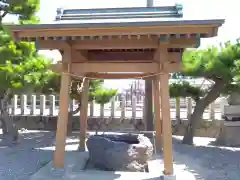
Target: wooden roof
(119,40)
(84,24)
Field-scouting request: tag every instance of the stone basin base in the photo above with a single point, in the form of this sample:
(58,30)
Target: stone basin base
(75,163)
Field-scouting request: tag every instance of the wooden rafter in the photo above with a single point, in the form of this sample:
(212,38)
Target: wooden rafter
(118,43)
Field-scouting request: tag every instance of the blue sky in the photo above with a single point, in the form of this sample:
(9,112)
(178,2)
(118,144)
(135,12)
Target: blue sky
(192,9)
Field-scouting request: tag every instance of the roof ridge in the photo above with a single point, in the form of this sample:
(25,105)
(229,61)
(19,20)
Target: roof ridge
(130,12)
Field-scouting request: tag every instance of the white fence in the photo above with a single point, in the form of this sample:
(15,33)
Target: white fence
(47,105)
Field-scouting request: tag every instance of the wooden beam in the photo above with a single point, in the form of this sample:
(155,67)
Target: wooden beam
(172,67)
(166,119)
(120,76)
(80,56)
(80,68)
(167,125)
(118,43)
(63,113)
(84,115)
(114,67)
(214,31)
(157,113)
(106,31)
(121,56)
(52,44)
(133,57)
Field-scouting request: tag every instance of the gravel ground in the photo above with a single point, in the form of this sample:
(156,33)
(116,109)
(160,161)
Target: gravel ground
(20,161)
(208,162)
(205,161)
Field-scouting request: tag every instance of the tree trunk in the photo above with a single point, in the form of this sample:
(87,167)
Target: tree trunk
(10,129)
(201,104)
(3,123)
(193,123)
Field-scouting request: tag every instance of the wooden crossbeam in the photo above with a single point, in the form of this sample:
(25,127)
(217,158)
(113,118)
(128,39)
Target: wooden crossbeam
(80,68)
(120,76)
(114,67)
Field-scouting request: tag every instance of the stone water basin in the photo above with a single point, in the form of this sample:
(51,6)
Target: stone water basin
(119,152)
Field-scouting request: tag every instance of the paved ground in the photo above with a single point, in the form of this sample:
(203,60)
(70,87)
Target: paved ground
(35,150)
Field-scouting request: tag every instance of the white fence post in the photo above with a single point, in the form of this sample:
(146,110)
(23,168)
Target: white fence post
(134,109)
(23,104)
(14,105)
(91,108)
(71,105)
(33,104)
(101,110)
(52,107)
(143,111)
(189,107)
(177,107)
(113,107)
(42,104)
(122,108)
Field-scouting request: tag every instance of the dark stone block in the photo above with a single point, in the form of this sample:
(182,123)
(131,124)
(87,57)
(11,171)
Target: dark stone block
(119,152)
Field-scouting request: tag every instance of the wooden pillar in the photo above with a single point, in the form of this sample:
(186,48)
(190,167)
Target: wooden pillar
(84,115)
(148,106)
(63,112)
(157,113)
(165,112)
(148,101)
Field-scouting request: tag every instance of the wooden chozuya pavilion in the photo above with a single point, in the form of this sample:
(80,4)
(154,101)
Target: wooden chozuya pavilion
(118,43)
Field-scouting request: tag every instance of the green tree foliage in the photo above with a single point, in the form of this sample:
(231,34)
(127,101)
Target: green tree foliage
(24,9)
(22,71)
(103,96)
(21,68)
(184,89)
(218,65)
